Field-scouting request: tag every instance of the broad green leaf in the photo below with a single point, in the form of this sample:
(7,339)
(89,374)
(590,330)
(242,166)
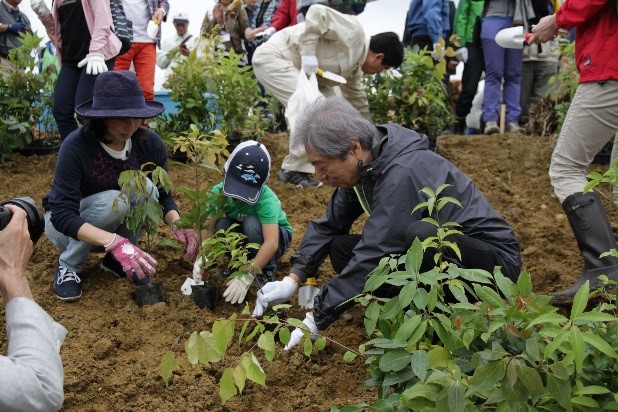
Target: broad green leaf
(320,343)
(406,295)
(267,342)
(596,317)
(475,275)
(420,363)
(391,309)
(600,344)
(168,364)
(432,298)
(489,296)
(577,344)
(585,401)
(531,379)
(420,390)
(371,317)
(349,356)
(505,285)
(487,377)
(558,340)
(592,390)
(580,301)
(407,328)
(208,348)
(456,397)
(439,357)
(394,378)
(240,377)
(381,405)
(559,389)
(524,283)
(414,257)
(552,317)
(191,349)
(394,360)
(284,335)
(227,388)
(223,330)
(511,373)
(418,333)
(253,369)
(533,350)
(374,281)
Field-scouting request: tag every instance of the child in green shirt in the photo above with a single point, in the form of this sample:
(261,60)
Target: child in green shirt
(256,209)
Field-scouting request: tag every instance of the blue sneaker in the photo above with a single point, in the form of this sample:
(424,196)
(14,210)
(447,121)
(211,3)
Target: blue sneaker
(110,264)
(67,285)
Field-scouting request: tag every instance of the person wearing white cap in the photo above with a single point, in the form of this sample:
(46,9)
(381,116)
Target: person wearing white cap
(178,45)
(256,209)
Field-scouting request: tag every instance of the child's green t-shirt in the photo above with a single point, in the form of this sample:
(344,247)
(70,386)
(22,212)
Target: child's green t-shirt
(267,208)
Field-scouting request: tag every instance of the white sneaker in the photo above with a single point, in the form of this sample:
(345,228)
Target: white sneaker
(491,128)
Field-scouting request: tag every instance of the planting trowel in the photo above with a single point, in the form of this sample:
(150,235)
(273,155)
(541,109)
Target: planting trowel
(332,76)
(515,38)
(306,293)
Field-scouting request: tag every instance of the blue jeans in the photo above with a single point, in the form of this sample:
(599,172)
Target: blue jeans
(252,228)
(500,64)
(73,87)
(96,210)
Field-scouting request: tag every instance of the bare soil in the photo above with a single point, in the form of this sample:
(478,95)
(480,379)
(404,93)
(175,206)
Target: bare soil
(113,349)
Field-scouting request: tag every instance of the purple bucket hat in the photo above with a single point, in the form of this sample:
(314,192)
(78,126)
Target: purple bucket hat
(117,94)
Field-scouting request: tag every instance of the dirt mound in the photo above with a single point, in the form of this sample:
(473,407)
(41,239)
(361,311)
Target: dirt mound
(113,349)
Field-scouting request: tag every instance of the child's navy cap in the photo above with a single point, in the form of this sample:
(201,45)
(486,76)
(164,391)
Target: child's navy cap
(246,171)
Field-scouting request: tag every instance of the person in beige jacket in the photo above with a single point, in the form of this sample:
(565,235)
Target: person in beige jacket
(335,42)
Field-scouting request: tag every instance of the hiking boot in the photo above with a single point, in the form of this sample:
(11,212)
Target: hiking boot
(491,127)
(110,264)
(298,179)
(513,127)
(67,284)
(459,127)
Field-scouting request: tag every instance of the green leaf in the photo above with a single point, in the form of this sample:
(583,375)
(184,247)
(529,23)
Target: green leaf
(456,397)
(420,363)
(267,342)
(168,364)
(552,317)
(489,296)
(559,389)
(432,298)
(191,349)
(414,257)
(558,340)
(371,317)
(420,390)
(407,328)
(208,351)
(486,377)
(439,357)
(600,344)
(531,379)
(580,301)
(349,356)
(284,335)
(320,343)
(592,390)
(585,401)
(524,283)
(406,295)
(307,346)
(381,405)
(390,309)
(596,317)
(253,369)
(240,377)
(227,388)
(394,378)
(505,285)
(394,360)
(418,333)
(577,344)
(223,330)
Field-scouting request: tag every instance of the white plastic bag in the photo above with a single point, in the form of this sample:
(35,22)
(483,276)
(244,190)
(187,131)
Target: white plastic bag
(306,92)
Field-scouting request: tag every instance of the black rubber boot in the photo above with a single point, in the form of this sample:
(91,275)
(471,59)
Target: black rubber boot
(594,236)
(459,127)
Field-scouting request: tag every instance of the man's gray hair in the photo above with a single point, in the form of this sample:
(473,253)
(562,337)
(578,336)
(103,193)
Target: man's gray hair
(331,127)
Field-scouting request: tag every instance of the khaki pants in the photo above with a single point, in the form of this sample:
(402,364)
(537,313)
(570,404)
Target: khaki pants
(592,120)
(279,77)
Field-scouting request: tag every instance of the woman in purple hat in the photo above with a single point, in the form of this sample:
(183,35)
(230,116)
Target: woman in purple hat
(79,215)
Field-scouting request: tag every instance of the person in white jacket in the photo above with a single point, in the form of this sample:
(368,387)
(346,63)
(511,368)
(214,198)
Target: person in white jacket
(31,374)
(335,42)
(176,47)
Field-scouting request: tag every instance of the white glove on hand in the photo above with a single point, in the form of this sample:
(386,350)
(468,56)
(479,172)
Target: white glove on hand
(39,7)
(462,54)
(96,63)
(298,333)
(269,31)
(237,289)
(438,51)
(274,293)
(309,64)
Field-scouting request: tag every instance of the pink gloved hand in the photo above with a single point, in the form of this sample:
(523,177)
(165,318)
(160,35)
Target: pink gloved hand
(189,238)
(132,258)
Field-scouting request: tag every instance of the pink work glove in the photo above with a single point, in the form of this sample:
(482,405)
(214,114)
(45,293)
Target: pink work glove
(189,238)
(132,258)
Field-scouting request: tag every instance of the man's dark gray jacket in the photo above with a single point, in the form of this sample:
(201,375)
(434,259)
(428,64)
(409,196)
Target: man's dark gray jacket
(391,185)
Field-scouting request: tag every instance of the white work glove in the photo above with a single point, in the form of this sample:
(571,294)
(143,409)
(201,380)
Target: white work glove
(39,7)
(269,31)
(274,293)
(96,63)
(237,288)
(298,333)
(438,51)
(309,64)
(462,54)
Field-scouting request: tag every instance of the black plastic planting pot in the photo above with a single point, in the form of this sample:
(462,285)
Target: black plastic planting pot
(205,296)
(149,294)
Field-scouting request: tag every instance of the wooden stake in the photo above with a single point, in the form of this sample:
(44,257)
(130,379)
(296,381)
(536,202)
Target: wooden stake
(502,118)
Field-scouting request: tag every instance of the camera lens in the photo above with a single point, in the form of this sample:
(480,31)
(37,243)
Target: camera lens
(36,224)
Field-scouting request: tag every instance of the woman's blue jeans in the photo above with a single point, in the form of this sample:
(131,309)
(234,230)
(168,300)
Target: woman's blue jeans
(252,228)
